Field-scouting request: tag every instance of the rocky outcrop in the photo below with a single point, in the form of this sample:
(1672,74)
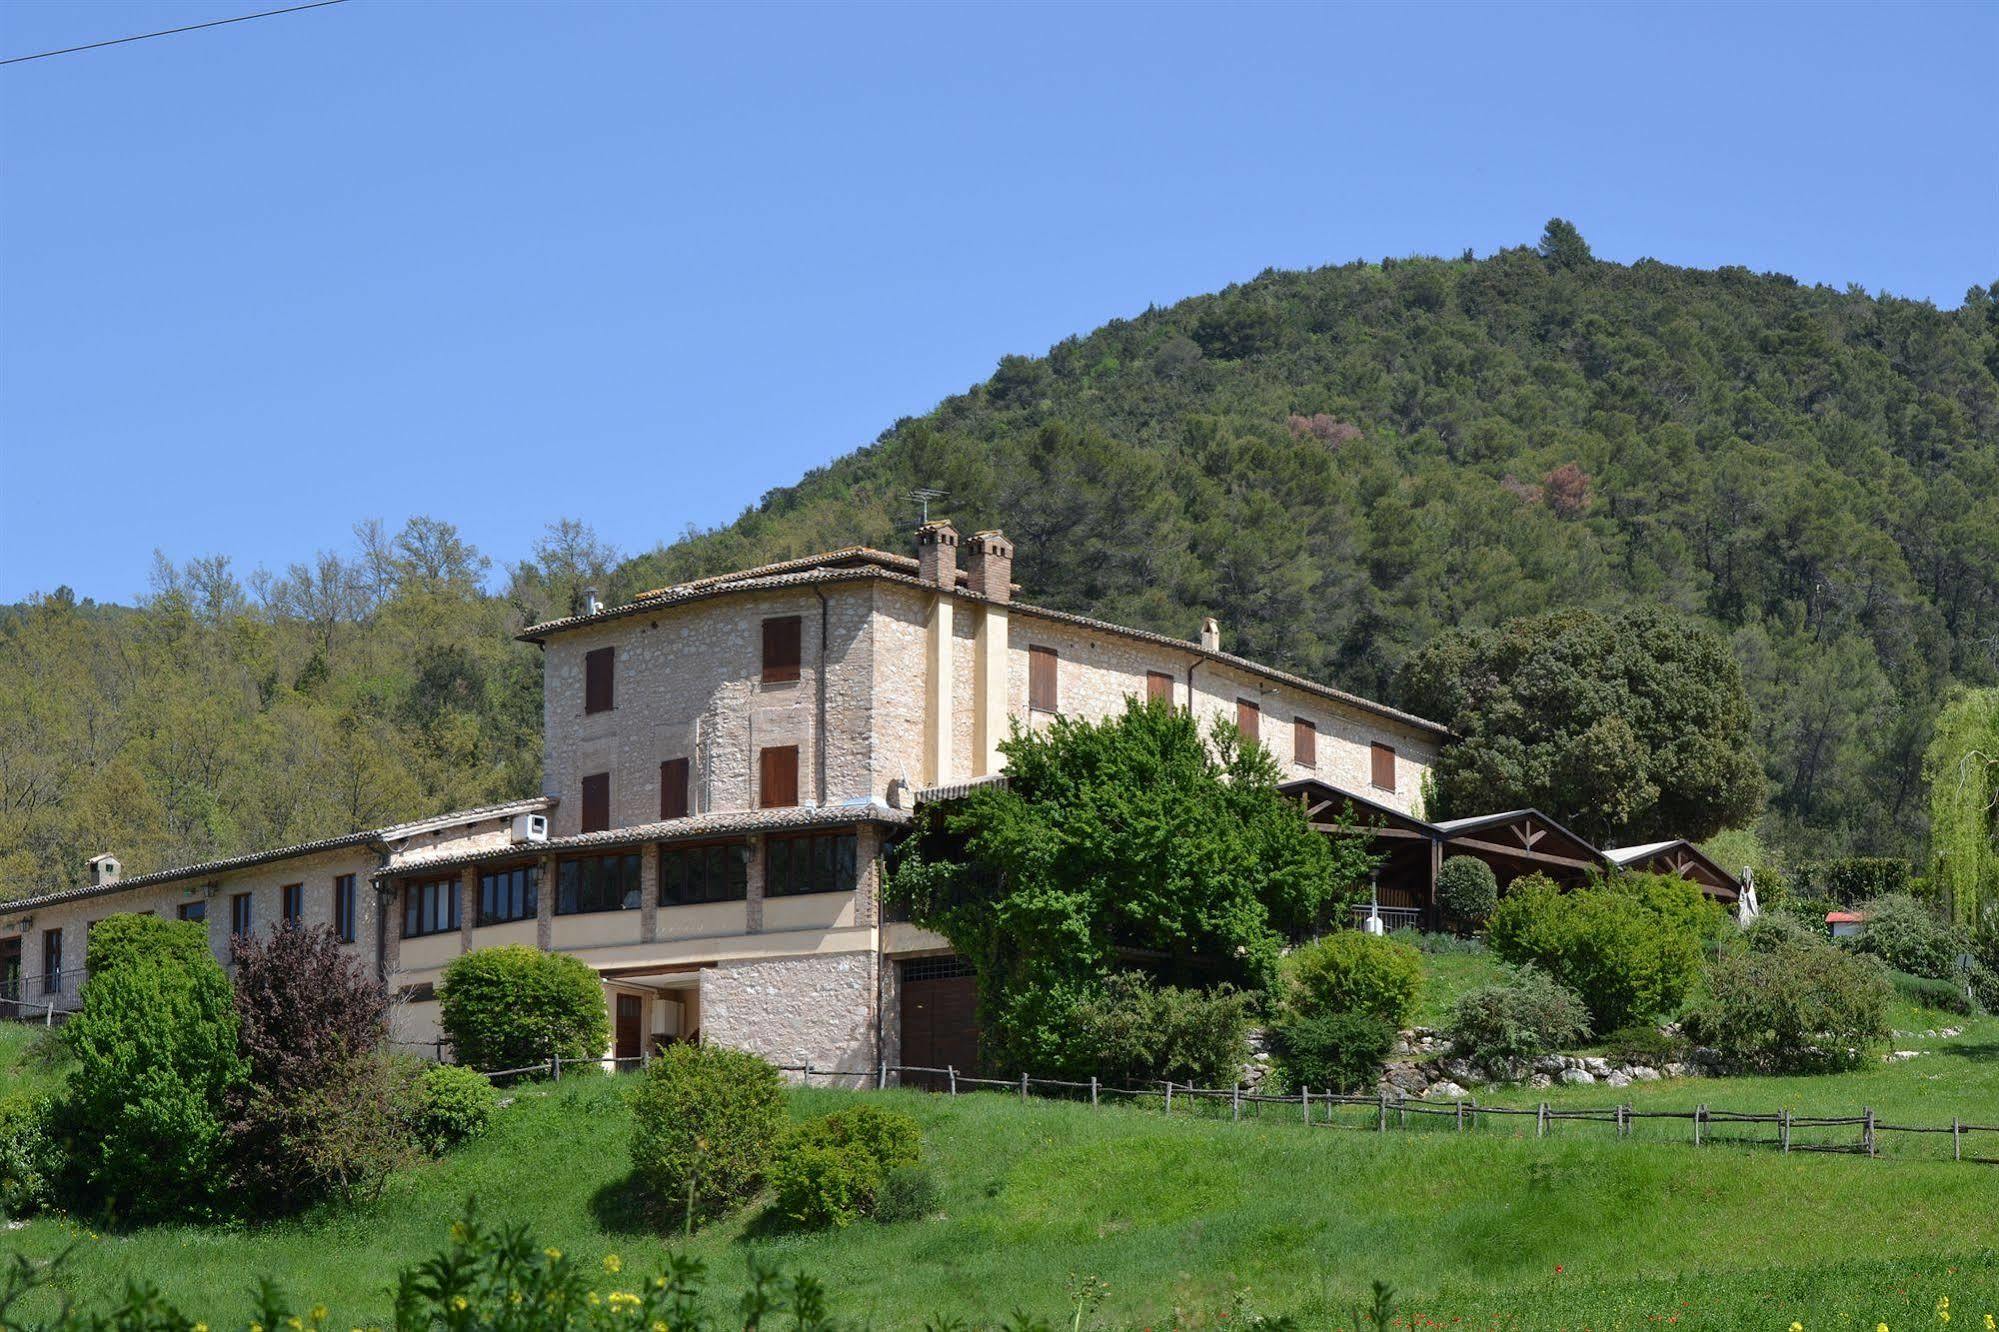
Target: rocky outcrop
(1424,1067)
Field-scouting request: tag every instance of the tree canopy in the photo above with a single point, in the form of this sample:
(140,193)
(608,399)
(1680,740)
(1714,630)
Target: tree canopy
(1963,771)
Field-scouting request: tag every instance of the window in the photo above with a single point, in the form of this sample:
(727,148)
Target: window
(777,776)
(715,872)
(781,649)
(597,883)
(810,863)
(673,789)
(597,802)
(51,961)
(344,909)
(239,914)
(1304,743)
(597,665)
(1384,766)
(430,906)
(292,902)
(509,894)
(195,910)
(1248,719)
(1158,687)
(1041,678)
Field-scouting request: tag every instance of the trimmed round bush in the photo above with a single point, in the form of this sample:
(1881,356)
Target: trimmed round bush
(1129,1031)
(1630,947)
(447,1105)
(513,1007)
(706,1121)
(1354,972)
(1467,889)
(1529,1013)
(1800,1008)
(831,1171)
(1341,1052)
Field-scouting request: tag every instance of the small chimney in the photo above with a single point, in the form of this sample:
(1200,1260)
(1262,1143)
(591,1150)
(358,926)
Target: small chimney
(104,870)
(1211,635)
(591,604)
(990,567)
(937,554)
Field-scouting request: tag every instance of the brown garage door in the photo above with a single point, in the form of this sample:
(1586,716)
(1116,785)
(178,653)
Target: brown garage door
(939,1018)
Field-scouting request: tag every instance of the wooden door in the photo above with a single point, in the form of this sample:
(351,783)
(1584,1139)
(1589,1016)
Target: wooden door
(10,976)
(940,1026)
(630,1032)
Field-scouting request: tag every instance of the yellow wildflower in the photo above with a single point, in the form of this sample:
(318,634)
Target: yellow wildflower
(612,1263)
(592,1298)
(1797,1327)
(513,1297)
(256,1327)
(1991,1323)
(659,1327)
(295,1323)
(458,1232)
(553,1255)
(203,1327)
(459,1303)
(318,1313)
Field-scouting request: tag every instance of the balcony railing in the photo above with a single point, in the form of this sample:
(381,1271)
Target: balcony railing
(1392,918)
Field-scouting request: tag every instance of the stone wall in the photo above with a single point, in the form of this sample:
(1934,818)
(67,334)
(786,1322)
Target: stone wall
(792,1010)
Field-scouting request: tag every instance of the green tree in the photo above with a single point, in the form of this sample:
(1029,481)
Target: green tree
(1627,727)
(515,1006)
(1563,246)
(1962,766)
(1134,833)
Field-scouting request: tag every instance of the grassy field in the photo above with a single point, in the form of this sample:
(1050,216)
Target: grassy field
(1183,1214)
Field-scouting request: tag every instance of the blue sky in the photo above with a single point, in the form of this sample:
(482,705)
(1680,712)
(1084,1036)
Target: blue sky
(637,264)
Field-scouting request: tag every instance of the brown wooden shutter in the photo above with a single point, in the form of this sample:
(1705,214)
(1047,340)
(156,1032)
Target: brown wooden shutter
(1248,719)
(673,789)
(1304,743)
(1384,766)
(777,776)
(1041,678)
(1158,687)
(597,802)
(597,679)
(781,649)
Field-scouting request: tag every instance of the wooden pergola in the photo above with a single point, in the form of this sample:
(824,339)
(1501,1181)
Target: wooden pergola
(1516,843)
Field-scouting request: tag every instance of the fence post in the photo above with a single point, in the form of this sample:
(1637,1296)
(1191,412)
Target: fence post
(1235,1102)
(1784,1130)
(1700,1113)
(1461,1116)
(881,1075)
(1868,1130)
(1956,1139)
(1472,1101)
(1023,1086)
(1541,1120)
(805,1079)
(1169,1096)
(1093,1091)
(555,1063)
(1381,1123)
(645,1056)
(951,1072)
(1305,1102)
(1401,1109)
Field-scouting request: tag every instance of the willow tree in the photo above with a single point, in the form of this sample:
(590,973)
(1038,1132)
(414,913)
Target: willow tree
(1963,771)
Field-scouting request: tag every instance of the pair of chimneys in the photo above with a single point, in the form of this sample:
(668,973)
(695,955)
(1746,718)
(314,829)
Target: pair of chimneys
(104,869)
(988,560)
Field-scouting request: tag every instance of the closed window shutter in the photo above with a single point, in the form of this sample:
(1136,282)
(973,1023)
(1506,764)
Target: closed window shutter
(781,649)
(597,802)
(597,667)
(1041,678)
(777,776)
(1384,767)
(1304,743)
(673,789)
(1248,719)
(1158,686)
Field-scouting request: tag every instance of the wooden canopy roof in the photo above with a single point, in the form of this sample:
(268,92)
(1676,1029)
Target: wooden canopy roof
(1683,858)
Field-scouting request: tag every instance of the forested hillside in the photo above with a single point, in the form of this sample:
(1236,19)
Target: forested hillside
(1338,464)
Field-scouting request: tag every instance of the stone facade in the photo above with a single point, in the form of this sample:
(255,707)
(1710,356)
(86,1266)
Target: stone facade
(794,1010)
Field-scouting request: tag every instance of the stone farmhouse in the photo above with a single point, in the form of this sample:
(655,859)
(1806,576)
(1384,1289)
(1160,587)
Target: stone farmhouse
(727,762)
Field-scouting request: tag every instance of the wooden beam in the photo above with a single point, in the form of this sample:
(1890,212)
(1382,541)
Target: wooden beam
(1516,853)
(1350,829)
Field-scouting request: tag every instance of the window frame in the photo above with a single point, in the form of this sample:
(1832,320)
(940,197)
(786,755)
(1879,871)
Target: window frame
(766,758)
(446,911)
(1044,679)
(291,904)
(736,878)
(1304,742)
(1378,753)
(840,848)
(632,896)
(1159,687)
(242,915)
(676,775)
(597,819)
(1250,711)
(346,909)
(600,679)
(524,897)
(776,628)
(196,910)
(52,943)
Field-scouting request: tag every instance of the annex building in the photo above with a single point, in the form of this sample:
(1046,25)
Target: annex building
(727,762)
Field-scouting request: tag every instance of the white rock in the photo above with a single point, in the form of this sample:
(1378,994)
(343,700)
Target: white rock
(1617,1079)
(1578,1077)
(1447,1090)
(1540,1080)
(1642,1073)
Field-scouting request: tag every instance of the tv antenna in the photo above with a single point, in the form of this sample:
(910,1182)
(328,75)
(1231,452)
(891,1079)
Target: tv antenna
(923,495)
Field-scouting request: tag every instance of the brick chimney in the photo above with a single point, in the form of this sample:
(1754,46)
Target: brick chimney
(990,565)
(104,870)
(1211,635)
(937,554)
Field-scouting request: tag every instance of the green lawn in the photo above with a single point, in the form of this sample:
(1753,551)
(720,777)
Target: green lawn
(1446,976)
(1493,1227)
(21,1070)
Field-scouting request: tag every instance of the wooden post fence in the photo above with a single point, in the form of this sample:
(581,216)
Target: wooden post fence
(1381,1125)
(1784,1130)
(951,1072)
(1093,1091)
(1867,1130)
(1541,1120)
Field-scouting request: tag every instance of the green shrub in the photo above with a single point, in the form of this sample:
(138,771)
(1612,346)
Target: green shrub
(1526,1014)
(512,1007)
(831,1171)
(1800,1007)
(1928,992)
(1910,936)
(1640,1044)
(1341,1052)
(908,1193)
(28,1164)
(1630,947)
(705,1124)
(142,1120)
(1984,983)
(446,1105)
(1354,972)
(1467,889)
(1778,929)
(1850,879)
(1129,1031)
